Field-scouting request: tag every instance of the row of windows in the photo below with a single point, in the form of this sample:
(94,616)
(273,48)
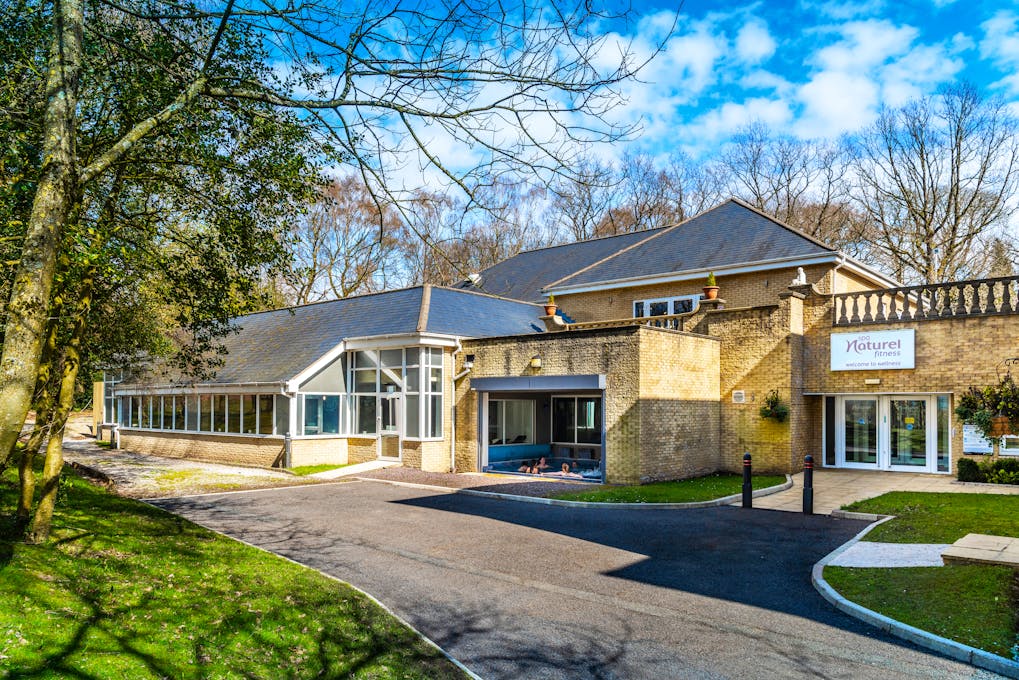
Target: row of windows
(665,306)
(575,420)
(225,413)
(371,414)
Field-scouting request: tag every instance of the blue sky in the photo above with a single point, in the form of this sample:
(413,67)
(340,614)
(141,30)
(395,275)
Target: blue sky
(812,68)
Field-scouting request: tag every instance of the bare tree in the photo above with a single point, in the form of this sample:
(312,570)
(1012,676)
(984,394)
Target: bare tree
(799,182)
(342,246)
(378,80)
(938,179)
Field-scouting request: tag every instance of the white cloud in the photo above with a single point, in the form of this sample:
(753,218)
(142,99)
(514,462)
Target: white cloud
(835,102)
(754,43)
(865,44)
(1000,45)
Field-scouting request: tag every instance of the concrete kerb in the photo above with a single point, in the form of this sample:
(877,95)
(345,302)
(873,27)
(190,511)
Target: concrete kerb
(922,638)
(427,640)
(590,504)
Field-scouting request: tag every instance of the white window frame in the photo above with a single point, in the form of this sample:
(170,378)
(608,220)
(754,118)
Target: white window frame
(1002,443)
(671,300)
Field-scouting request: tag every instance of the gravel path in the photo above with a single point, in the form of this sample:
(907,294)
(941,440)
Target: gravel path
(143,476)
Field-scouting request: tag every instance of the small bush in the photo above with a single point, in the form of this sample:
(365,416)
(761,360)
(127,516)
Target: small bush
(999,471)
(969,471)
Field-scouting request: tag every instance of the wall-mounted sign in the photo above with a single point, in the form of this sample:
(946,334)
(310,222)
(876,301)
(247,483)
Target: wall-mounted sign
(875,351)
(973,441)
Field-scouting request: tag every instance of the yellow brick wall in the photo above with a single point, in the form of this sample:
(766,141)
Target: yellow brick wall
(740,290)
(757,357)
(361,450)
(227,449)
(318,451)
(679,408)
(649,432)
(951,356)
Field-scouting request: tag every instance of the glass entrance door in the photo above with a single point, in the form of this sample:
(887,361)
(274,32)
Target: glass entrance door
(390,435)
(860,432)
(907,433)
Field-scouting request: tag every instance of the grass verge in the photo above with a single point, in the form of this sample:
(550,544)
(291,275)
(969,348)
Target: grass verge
(940,517)
(976,605)
(129,591)
(305,470)
(683,491)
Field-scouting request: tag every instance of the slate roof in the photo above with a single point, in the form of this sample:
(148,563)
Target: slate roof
(277,345)
(732,233)
(523,276)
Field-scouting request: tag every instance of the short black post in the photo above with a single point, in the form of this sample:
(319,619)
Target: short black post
(808,485)
(748,487)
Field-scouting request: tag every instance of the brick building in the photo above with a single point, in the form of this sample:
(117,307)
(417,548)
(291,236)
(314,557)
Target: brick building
(637,377)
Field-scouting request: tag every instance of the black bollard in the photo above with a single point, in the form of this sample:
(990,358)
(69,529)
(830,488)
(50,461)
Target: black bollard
(748,487)
(808,485)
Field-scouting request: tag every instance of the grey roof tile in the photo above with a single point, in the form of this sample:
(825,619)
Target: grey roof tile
(729,234)
(275,346)
(523,276)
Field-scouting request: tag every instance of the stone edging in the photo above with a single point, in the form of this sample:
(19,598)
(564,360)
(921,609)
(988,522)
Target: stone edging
(431,643)
(726,500)
(922,638)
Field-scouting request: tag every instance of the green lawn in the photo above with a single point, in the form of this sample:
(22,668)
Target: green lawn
(976,605)
(304,470)
(684,491)
(129,591)
(940,517)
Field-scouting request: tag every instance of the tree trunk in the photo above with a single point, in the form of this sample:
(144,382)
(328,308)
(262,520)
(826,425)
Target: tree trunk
(33,279)
(43,519)
(26,469)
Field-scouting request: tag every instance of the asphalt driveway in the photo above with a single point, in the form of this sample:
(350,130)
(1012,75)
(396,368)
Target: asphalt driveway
(521,590)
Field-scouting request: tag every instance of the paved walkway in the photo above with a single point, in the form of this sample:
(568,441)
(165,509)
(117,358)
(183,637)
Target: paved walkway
(870,554)
(835,488)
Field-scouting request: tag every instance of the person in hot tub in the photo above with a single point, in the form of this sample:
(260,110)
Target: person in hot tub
(530,467)
(542,464)
(566,472)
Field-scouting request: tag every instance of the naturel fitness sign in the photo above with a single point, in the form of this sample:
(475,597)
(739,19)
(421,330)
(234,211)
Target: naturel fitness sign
(875,351)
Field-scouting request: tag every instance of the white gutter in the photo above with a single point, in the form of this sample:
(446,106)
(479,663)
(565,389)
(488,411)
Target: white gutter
(834,279)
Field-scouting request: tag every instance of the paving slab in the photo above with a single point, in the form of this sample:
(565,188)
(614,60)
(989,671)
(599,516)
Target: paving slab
(984,549)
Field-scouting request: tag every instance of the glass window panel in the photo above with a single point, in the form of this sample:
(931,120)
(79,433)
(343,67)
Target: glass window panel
(146,411)
(392,358)
(589,420)
(435,356)
(389,406)
(312,413)
(861,430)
(413,418)
(658,308)
(908,432)
(265,414)
(1009,445)
(496,413)
(219,413)
(136,410)
(518,423)
(412,356)
(192,413)
(205,404)
(366,414)
(331,414)
(391,378)
(178,412)
(435,380)
(944,434)
(364,381)
(682,306)
(234,413)
(283,415)
(249,406)
(168,406)
(364,360)
(564,420)
(638,309)
(414,379)
(435,416)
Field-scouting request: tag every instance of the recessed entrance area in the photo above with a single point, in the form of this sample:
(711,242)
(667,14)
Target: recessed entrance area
(897,432)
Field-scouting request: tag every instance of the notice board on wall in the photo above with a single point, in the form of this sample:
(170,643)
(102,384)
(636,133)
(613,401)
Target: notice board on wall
(973,441)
